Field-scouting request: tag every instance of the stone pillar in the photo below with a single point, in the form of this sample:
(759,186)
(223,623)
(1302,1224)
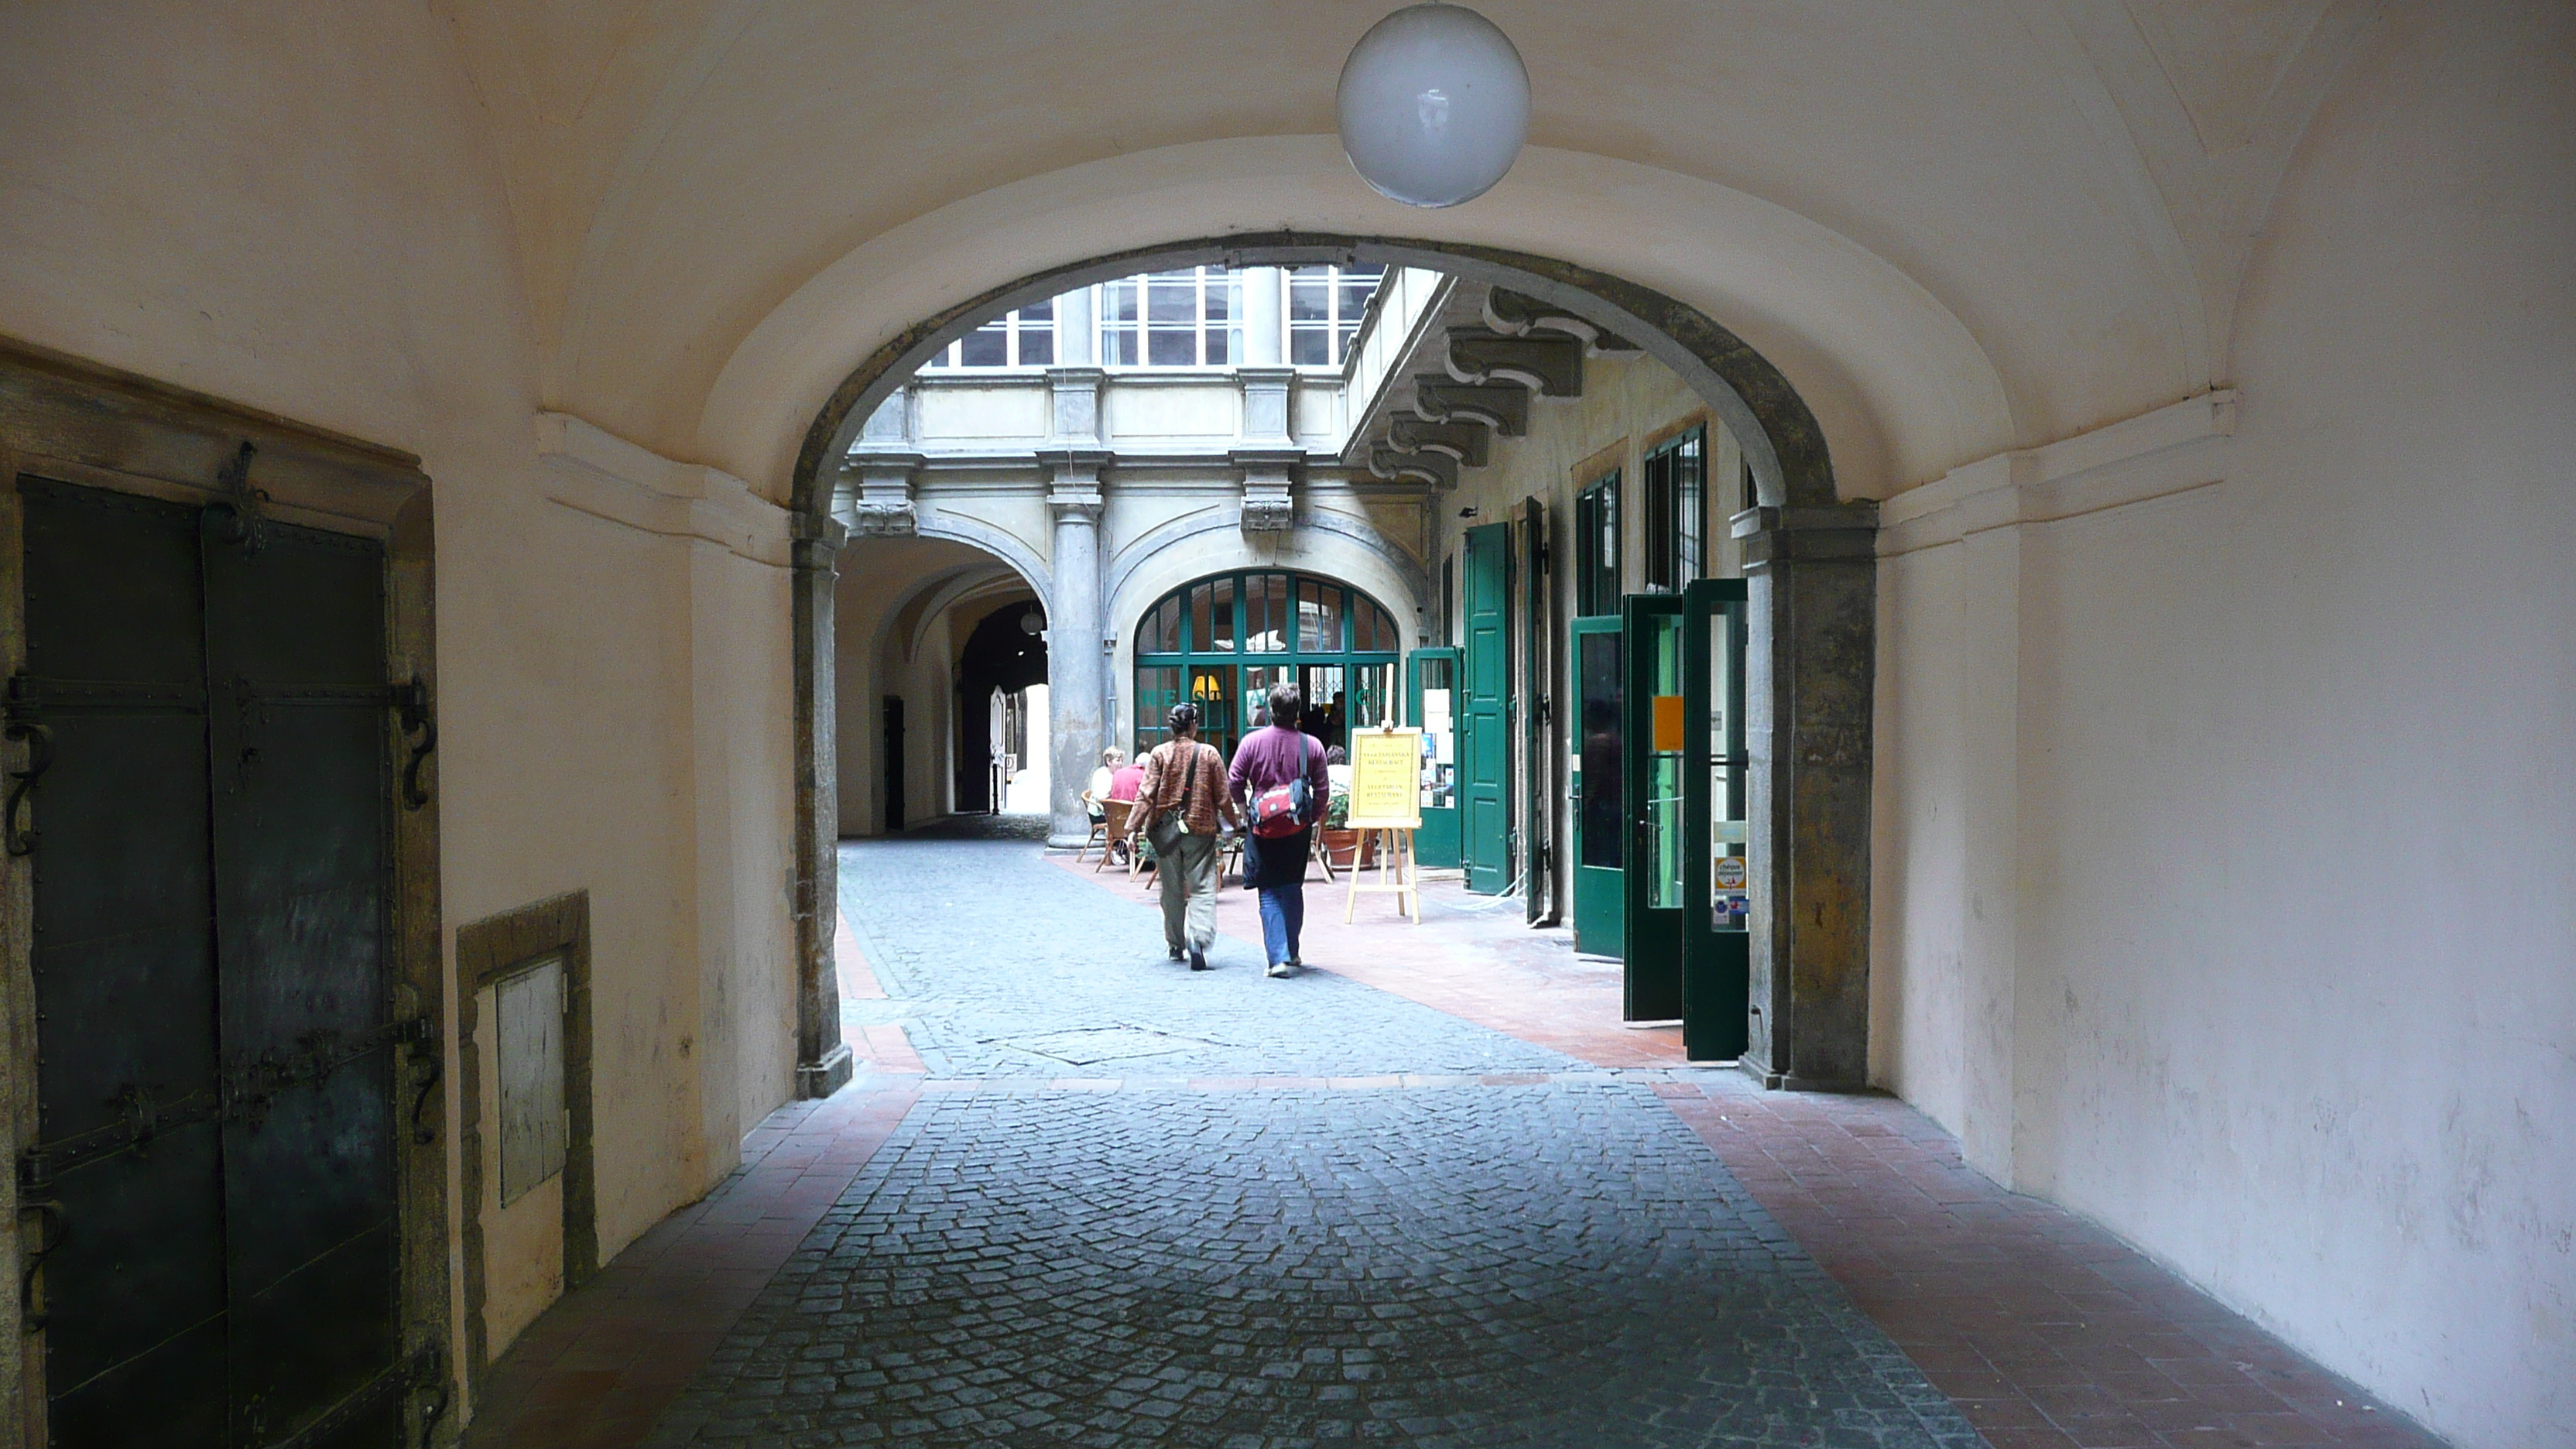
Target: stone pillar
(1265,335)
(1077,673)
(1812,577)
(1077,333)
(823,1061)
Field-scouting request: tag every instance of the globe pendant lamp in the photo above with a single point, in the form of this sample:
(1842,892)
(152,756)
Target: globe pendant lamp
(1434,105)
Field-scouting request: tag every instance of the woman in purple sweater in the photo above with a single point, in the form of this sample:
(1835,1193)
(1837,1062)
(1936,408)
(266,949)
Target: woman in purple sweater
(1268,757)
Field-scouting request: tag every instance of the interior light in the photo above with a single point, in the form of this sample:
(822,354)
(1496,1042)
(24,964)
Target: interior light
(1434,105)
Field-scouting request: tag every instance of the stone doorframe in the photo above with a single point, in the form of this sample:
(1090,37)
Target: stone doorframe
(79,422)
(1809,557)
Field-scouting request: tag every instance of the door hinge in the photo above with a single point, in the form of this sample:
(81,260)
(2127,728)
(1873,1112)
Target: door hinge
(411,702)
(23,726)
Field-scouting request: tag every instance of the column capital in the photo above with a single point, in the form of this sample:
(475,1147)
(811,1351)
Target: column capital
(1073,482)
(1778,535)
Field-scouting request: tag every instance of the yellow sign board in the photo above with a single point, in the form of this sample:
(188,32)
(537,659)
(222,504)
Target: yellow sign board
(1386,780)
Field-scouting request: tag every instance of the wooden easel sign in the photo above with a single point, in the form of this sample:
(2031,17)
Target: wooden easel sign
(1386,800)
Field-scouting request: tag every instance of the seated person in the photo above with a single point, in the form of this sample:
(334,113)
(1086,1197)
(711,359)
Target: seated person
(1103,780)
(1337,767)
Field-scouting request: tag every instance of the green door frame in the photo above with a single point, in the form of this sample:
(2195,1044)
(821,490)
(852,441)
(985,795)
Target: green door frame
(1436,843)
(1597,685)
(1657,829)
(1537,818)
(1485,724)
(1716,958)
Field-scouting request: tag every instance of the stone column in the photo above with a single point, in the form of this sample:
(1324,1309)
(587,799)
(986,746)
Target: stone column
(822,1058)
(1812,577)
(1265,335)
(1077,676)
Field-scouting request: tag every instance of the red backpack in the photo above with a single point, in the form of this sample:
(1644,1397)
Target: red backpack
(1281,809)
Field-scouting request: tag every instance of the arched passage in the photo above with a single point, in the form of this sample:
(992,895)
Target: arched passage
(1807,552)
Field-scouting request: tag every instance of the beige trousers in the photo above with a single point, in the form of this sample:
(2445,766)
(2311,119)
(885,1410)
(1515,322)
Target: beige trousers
(1187,873)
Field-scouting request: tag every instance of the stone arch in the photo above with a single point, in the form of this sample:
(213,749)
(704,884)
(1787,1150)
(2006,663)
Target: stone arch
(1782,441)
(1809,559)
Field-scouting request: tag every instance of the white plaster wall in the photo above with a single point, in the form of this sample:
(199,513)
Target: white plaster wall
(294,207)
(2261,874)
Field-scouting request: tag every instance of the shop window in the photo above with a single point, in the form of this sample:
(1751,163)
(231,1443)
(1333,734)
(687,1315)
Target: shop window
(1677,512)
(1596,539)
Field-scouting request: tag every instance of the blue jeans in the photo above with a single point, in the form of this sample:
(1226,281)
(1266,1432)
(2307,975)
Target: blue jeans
(1283,915)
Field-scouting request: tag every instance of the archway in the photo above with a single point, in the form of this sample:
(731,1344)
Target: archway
(1808,556)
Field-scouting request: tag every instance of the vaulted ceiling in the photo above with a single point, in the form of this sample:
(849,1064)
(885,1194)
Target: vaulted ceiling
(1959,225)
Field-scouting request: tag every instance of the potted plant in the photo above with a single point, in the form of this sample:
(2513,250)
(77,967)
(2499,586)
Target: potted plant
(1343,845)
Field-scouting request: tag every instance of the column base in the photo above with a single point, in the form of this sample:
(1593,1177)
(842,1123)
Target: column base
(1774,1081)
(821,1079)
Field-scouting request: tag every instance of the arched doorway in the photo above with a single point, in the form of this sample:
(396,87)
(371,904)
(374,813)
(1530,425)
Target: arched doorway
(1222,641)
(1807,554)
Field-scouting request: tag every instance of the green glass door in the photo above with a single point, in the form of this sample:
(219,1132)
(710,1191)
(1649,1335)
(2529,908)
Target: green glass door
(1600,791)
(1716,961)
(1654,723)
(1432,707)
(1485,740)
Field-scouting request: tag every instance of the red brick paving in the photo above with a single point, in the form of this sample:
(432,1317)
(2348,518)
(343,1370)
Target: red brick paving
(596,1369)
(2047,1331)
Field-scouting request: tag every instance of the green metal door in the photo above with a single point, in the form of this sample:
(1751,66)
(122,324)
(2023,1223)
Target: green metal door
(1716,961)
(1432,706)
(1654,722)
(1485,740)
(1600,791)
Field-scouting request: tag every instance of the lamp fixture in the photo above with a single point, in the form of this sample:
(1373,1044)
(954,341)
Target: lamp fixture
(1433,104)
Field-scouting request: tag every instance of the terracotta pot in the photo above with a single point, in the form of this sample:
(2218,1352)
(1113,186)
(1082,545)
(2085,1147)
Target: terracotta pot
(1340,846)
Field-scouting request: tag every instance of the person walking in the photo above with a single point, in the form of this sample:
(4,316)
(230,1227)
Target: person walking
(1278,773)
(1178,805)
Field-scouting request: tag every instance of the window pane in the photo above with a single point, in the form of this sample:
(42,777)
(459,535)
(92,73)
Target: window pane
(1310,347)
(1038,312)
(1157,690)
(1037,349)
(1223,292)
(1118,348)
(1308,301)
(986,346)
(1343,341)
(1172,299)
(1118,301)
(1265,612)
(943,357)
(1220,621)
(1222,345)
(1199,634)
(1172,347)
(1160,632)
(1319,618)
(1355,298)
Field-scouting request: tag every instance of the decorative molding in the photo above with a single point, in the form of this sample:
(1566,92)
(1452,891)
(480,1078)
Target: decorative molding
(2174,449)
(591,470)
(875,498)
(1269,475)
(1076,410)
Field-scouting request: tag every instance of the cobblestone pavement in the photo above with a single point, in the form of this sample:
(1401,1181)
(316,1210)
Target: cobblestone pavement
(1473,1265)
(1304,1213)
(996,962)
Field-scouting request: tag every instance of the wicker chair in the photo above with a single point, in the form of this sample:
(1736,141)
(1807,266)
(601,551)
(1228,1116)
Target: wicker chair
(1099,831)
(1113,827)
